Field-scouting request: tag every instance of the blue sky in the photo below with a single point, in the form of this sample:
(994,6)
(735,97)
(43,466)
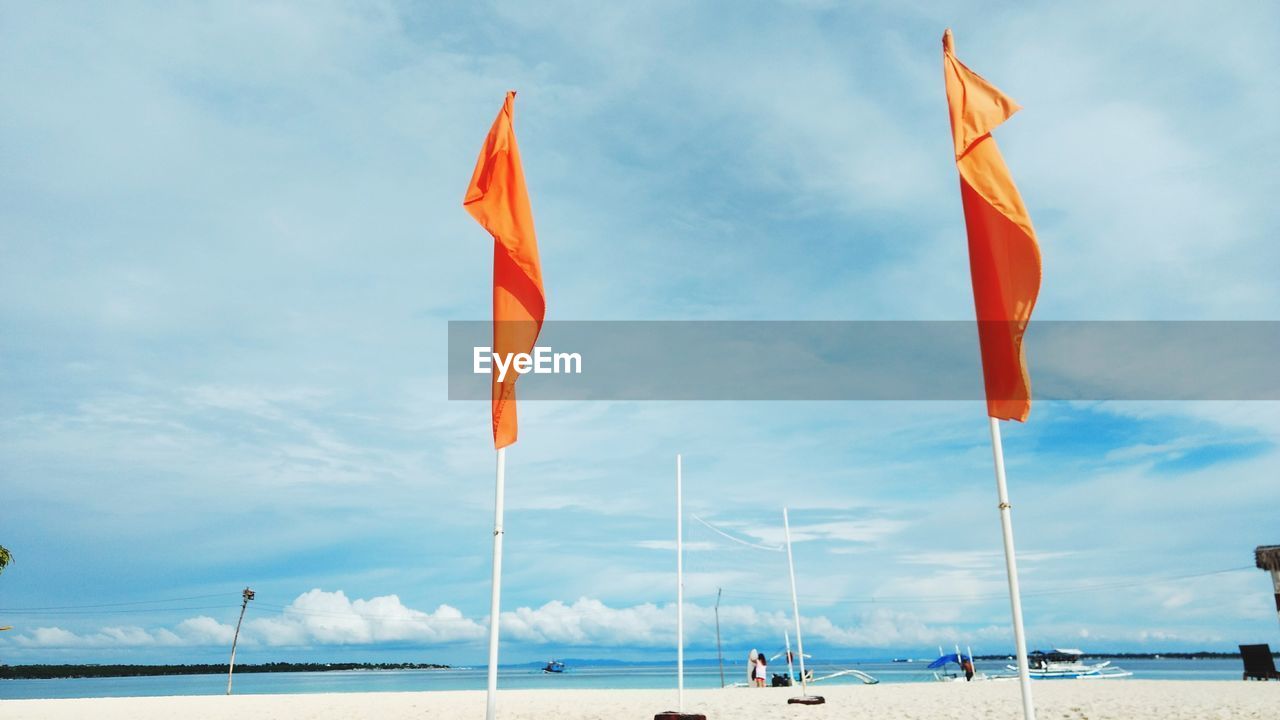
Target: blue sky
(232,238)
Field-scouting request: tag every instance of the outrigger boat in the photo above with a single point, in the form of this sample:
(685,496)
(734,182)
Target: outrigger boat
(789,678)
(864,677)
(942,673)
(554,666)
(1066,664)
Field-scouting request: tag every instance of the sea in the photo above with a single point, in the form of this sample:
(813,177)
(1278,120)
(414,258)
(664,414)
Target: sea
(579,674)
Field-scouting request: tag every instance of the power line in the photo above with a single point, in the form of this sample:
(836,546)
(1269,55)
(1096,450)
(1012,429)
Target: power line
(55,613)
(119,604)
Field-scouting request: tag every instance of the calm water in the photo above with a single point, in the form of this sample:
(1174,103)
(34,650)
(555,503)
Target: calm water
(578,676)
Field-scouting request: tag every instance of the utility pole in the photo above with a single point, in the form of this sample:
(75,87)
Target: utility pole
(1268,558)
(719,651)
(247,595)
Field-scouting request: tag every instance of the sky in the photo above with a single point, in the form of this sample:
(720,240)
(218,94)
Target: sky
(232,239)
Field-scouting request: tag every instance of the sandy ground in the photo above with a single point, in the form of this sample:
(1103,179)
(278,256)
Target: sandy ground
(1094,700)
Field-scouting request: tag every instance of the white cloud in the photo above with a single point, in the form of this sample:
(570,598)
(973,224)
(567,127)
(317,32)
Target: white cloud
(589,622)
(204,630)
(319,618)
(316,617)
(49,637)
(107,637)
(330,618)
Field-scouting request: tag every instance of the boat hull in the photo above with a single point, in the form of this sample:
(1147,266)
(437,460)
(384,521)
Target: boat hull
(1101,671)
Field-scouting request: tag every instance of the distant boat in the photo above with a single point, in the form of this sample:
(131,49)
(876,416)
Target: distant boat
(554,666)
(1067,664)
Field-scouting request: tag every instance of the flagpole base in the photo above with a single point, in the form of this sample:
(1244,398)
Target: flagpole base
(807,700)
(674,715)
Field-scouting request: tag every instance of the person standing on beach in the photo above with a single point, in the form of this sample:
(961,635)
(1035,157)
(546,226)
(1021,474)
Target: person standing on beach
(967,665)
(762,670)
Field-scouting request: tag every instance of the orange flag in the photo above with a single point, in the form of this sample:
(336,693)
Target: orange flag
(1004,258)
(497,199)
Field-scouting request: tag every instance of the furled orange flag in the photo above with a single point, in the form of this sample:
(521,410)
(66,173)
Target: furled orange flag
(497,199)
(1004,258)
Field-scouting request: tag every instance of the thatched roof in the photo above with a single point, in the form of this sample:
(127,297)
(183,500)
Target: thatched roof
(1268,557)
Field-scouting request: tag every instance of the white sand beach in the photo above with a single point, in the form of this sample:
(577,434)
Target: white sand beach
(1067,700)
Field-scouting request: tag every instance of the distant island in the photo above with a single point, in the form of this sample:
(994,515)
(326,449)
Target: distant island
(49,672)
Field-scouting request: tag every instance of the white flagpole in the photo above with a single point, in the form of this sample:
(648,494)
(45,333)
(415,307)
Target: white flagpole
(1011,569)
(795,603)
(491,705)
(679,590)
